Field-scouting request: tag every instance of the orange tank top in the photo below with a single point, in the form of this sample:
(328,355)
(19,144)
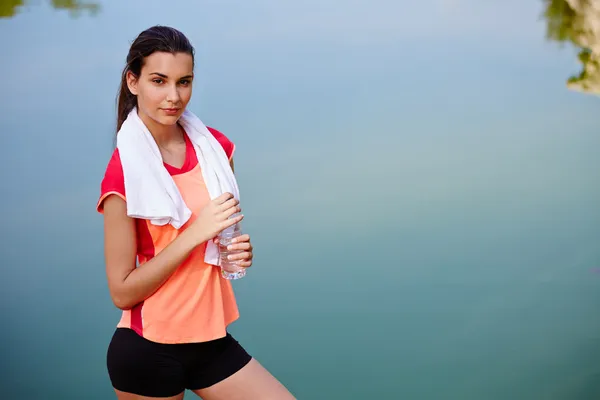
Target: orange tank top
(195,304)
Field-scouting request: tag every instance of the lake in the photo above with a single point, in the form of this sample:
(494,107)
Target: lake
(420,185)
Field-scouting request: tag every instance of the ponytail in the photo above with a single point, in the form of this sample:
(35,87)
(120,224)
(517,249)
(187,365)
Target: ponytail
(126,101)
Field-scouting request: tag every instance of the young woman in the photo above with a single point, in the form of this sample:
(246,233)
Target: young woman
(173,334)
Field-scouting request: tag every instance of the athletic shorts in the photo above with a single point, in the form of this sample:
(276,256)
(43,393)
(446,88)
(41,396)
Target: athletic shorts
(137,365)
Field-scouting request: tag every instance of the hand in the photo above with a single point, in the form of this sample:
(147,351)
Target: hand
(242,244)
(214,218)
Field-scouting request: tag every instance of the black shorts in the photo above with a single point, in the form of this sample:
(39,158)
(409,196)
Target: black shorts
(137,365)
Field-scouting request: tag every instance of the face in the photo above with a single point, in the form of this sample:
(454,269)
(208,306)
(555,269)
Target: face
(164,87)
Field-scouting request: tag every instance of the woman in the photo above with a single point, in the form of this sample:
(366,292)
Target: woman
(176,307)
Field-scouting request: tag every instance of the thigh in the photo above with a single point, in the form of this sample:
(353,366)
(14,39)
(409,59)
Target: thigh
(141,369)
(253,381)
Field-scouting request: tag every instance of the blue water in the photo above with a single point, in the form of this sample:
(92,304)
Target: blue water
(420,186)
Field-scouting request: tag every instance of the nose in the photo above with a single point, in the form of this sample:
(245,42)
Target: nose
(173,94)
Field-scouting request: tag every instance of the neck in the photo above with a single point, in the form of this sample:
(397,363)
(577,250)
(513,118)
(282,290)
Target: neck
(163,134)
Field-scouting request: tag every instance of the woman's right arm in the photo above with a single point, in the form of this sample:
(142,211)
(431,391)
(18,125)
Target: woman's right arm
(130,285)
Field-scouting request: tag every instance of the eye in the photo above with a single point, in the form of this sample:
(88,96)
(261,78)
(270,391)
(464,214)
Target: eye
(185,82)
(158,81)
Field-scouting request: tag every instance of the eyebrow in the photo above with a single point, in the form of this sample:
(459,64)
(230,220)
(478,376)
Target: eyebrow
(164,76)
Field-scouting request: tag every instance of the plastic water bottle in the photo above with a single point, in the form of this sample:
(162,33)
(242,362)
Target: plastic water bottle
(230,269)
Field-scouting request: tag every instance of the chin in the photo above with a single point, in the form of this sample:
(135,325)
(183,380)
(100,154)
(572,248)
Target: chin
(160,118)
(167,120)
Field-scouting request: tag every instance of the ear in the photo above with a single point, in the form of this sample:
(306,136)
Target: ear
(132,82)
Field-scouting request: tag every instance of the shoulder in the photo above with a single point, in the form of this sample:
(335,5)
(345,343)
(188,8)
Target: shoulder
(113,181)
(227,144)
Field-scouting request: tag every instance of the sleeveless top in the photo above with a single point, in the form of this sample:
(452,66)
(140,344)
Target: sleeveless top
(195,304)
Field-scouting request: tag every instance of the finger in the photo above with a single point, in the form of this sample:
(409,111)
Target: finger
(229,212)
(223,198)
(243,263)
(246,246)
(243,256)
(228,204)
(242,238)
(231,221)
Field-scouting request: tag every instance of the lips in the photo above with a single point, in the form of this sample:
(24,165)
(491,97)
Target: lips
(171,111)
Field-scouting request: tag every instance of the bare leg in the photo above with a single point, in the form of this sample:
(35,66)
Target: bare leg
(130,396)
(253,382)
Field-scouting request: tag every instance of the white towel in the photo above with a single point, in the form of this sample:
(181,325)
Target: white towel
(150,189)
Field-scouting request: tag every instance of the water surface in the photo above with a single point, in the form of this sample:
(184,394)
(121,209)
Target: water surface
(420,185)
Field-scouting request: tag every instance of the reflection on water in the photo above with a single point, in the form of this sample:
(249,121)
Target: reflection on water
(9,8)
(578,22)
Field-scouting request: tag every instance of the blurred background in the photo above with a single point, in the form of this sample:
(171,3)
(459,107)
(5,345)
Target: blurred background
(420,180)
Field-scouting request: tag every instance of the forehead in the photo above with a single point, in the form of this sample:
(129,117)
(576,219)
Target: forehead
(178,64)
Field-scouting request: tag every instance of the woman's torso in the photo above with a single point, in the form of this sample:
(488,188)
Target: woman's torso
(195,304)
